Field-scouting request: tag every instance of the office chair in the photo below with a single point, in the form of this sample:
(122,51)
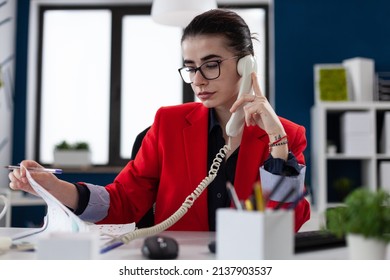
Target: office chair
(148,219)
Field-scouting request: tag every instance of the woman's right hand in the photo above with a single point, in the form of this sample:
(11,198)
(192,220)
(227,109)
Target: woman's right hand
(19,180)
(62,190)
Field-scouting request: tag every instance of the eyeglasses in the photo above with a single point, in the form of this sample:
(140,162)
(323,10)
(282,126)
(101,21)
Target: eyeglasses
(210,70)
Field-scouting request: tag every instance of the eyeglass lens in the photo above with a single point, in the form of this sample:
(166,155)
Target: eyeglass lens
(210,70)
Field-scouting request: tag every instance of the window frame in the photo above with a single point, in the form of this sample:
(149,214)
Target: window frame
(118,12)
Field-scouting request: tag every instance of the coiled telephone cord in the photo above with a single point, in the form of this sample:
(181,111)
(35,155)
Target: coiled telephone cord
(188,202)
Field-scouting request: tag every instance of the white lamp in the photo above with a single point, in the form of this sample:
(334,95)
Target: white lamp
(179,12)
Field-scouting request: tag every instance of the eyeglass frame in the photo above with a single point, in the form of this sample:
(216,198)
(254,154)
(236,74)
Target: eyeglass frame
(196,69)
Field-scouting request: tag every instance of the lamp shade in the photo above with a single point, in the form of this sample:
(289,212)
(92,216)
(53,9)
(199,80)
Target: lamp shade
(179,12)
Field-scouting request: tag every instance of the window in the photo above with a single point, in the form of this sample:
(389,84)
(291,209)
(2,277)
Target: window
(97,81)
(75,81)
(146,82)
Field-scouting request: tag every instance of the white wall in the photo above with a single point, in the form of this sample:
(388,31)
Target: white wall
(7,81)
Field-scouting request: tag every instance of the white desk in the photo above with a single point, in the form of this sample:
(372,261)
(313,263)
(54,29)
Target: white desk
(192,246)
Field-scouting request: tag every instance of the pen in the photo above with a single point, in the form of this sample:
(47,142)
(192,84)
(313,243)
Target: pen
(284,199)
(277,185)
(259,197)
(249,205)
(36,169)
(111,246)
(233,196)
(295,203)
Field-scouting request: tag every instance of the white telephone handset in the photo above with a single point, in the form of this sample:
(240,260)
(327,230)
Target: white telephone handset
(245,67)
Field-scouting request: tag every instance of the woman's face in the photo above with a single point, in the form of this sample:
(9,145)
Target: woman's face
(221,92)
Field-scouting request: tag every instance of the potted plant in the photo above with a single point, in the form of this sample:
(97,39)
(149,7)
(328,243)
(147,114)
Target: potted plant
(364,220)
(72,155)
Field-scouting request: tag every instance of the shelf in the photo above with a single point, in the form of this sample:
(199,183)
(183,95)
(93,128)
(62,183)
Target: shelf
(20,199)
(344,156)
(359,166)
(27,201)
(346,106)
(383,156)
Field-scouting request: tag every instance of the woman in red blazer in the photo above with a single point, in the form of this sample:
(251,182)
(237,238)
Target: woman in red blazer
(177,151)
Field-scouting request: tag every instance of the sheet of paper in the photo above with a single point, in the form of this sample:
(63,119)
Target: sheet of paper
(60,219)
(112,230)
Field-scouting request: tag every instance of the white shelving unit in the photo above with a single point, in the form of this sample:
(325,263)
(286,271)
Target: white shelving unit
(363,170)
(18,199)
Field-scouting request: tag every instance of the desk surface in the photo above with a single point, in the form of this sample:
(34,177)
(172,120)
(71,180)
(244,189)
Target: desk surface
(193,246)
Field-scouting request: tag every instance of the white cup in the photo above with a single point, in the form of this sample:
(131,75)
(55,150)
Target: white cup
(3,200)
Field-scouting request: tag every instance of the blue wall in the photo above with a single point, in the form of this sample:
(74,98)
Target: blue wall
(306,32)
(20,97)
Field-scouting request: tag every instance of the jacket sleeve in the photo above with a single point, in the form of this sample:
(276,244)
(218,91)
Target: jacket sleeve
(290,190)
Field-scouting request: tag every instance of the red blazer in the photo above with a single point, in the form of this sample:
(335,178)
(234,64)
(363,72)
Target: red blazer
(172,161)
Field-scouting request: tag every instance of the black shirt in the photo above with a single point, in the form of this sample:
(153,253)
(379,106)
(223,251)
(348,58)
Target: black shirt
(217,192)
(217,196)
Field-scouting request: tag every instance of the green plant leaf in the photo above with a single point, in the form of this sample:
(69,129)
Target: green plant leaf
(81,146)
(365,212)
(64,145)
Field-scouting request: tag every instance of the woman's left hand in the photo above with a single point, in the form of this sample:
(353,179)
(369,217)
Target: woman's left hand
(258,111)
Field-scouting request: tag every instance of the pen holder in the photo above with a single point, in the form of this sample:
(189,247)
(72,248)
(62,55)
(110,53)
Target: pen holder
(69,246)
(245,235)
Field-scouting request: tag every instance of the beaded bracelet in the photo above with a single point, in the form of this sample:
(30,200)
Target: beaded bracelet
(278,142)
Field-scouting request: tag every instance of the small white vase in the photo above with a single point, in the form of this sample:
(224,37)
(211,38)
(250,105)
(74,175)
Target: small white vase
(362,248)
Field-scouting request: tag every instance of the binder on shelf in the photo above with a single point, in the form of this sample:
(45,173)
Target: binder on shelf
(383,86)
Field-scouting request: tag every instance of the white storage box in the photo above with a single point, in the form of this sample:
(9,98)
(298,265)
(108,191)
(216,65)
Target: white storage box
(357,134)
(384,175)
(385,134)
